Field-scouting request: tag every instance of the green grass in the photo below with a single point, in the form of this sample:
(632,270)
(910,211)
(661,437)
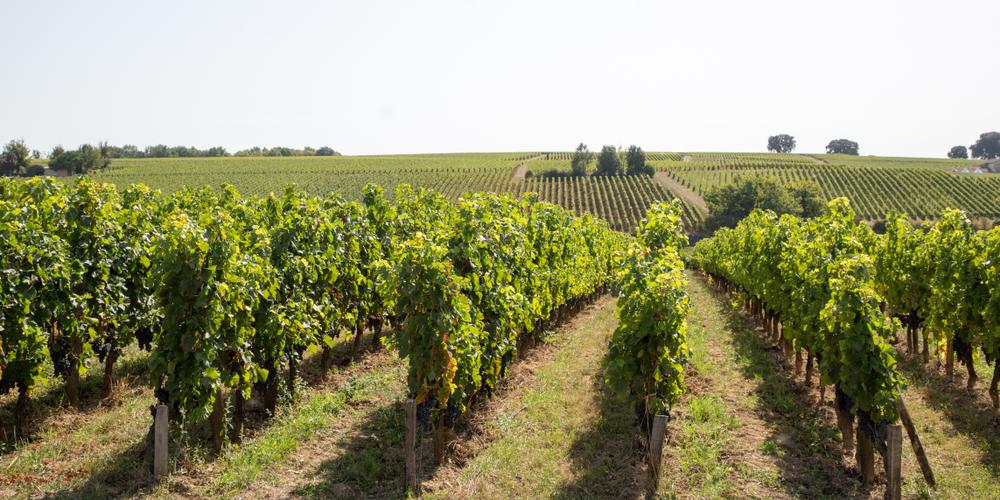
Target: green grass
(564,437)
(241,466)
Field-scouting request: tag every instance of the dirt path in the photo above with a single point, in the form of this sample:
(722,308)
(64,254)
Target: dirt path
(744,429)
(693,199)
(356,452)
(817,160)
(522,168)
(686,158)
(561,435)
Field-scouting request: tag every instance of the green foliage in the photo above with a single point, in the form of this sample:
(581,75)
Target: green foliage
(14,159)
(473,277)
(648,350)
(781,143)
(35,277)
(809,197)
(609,162)
(818,277)
(987,147)
(212,280)
(581,159)
(84,160)
(958,152)
(731,203)
(842,147)
(635,162)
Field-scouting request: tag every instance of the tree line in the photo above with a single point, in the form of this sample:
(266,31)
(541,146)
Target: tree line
(164,151)
(16,158)
(785,143)
(609,161)
(986,148)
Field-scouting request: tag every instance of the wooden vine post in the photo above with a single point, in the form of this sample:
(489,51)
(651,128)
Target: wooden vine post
(918,449)
(656,436)
(865,456)
(160,441)
(410,447)
(894,462)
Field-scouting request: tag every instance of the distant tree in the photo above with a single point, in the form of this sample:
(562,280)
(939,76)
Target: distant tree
(85,159)
(781,143)
(581,160)
(326,151)
(958,152)
(14,159)
(987,147)
(843,147)
(809,197)
(635,162)
(609,162)
(217,151)
(56,151)
(730,203)
(36,154)
(158,151)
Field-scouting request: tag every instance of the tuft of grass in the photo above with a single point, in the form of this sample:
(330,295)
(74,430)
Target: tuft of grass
(705,435)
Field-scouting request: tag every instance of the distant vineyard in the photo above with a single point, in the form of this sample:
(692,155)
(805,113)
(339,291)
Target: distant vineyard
(622,201)
(875,186)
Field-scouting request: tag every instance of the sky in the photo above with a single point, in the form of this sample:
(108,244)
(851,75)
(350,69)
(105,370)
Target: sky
(902,78)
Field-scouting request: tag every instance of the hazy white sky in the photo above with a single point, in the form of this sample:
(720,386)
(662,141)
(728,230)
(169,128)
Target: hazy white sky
(899,77)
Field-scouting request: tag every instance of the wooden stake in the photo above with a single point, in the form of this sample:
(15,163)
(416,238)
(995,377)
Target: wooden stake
(894,463)
(809,368)
(656,446)
(410,447)
(439,441)
(949,358)
(927,351)
(798,360)
(865,457)
(918,449)
(846,423)
(160,441)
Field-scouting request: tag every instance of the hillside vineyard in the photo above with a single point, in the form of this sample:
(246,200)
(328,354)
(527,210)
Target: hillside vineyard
(226,292)
(876,186)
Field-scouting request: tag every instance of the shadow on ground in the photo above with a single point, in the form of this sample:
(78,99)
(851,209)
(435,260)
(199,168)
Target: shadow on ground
(970,412)
(609,458)
(803,440)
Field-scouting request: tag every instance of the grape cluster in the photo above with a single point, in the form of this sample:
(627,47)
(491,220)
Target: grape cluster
(144,336)
(59,350)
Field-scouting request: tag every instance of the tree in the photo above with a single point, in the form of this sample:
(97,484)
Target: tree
(608,161)
(581,160)
(958,152)
(781,143)
(81,161)
(843,147)
(326,151)
(987,147)
(635,161)
(729,204)
(809,197)
(14,159)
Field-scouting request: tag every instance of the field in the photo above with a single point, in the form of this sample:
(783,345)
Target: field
(876,186)
(304,345)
